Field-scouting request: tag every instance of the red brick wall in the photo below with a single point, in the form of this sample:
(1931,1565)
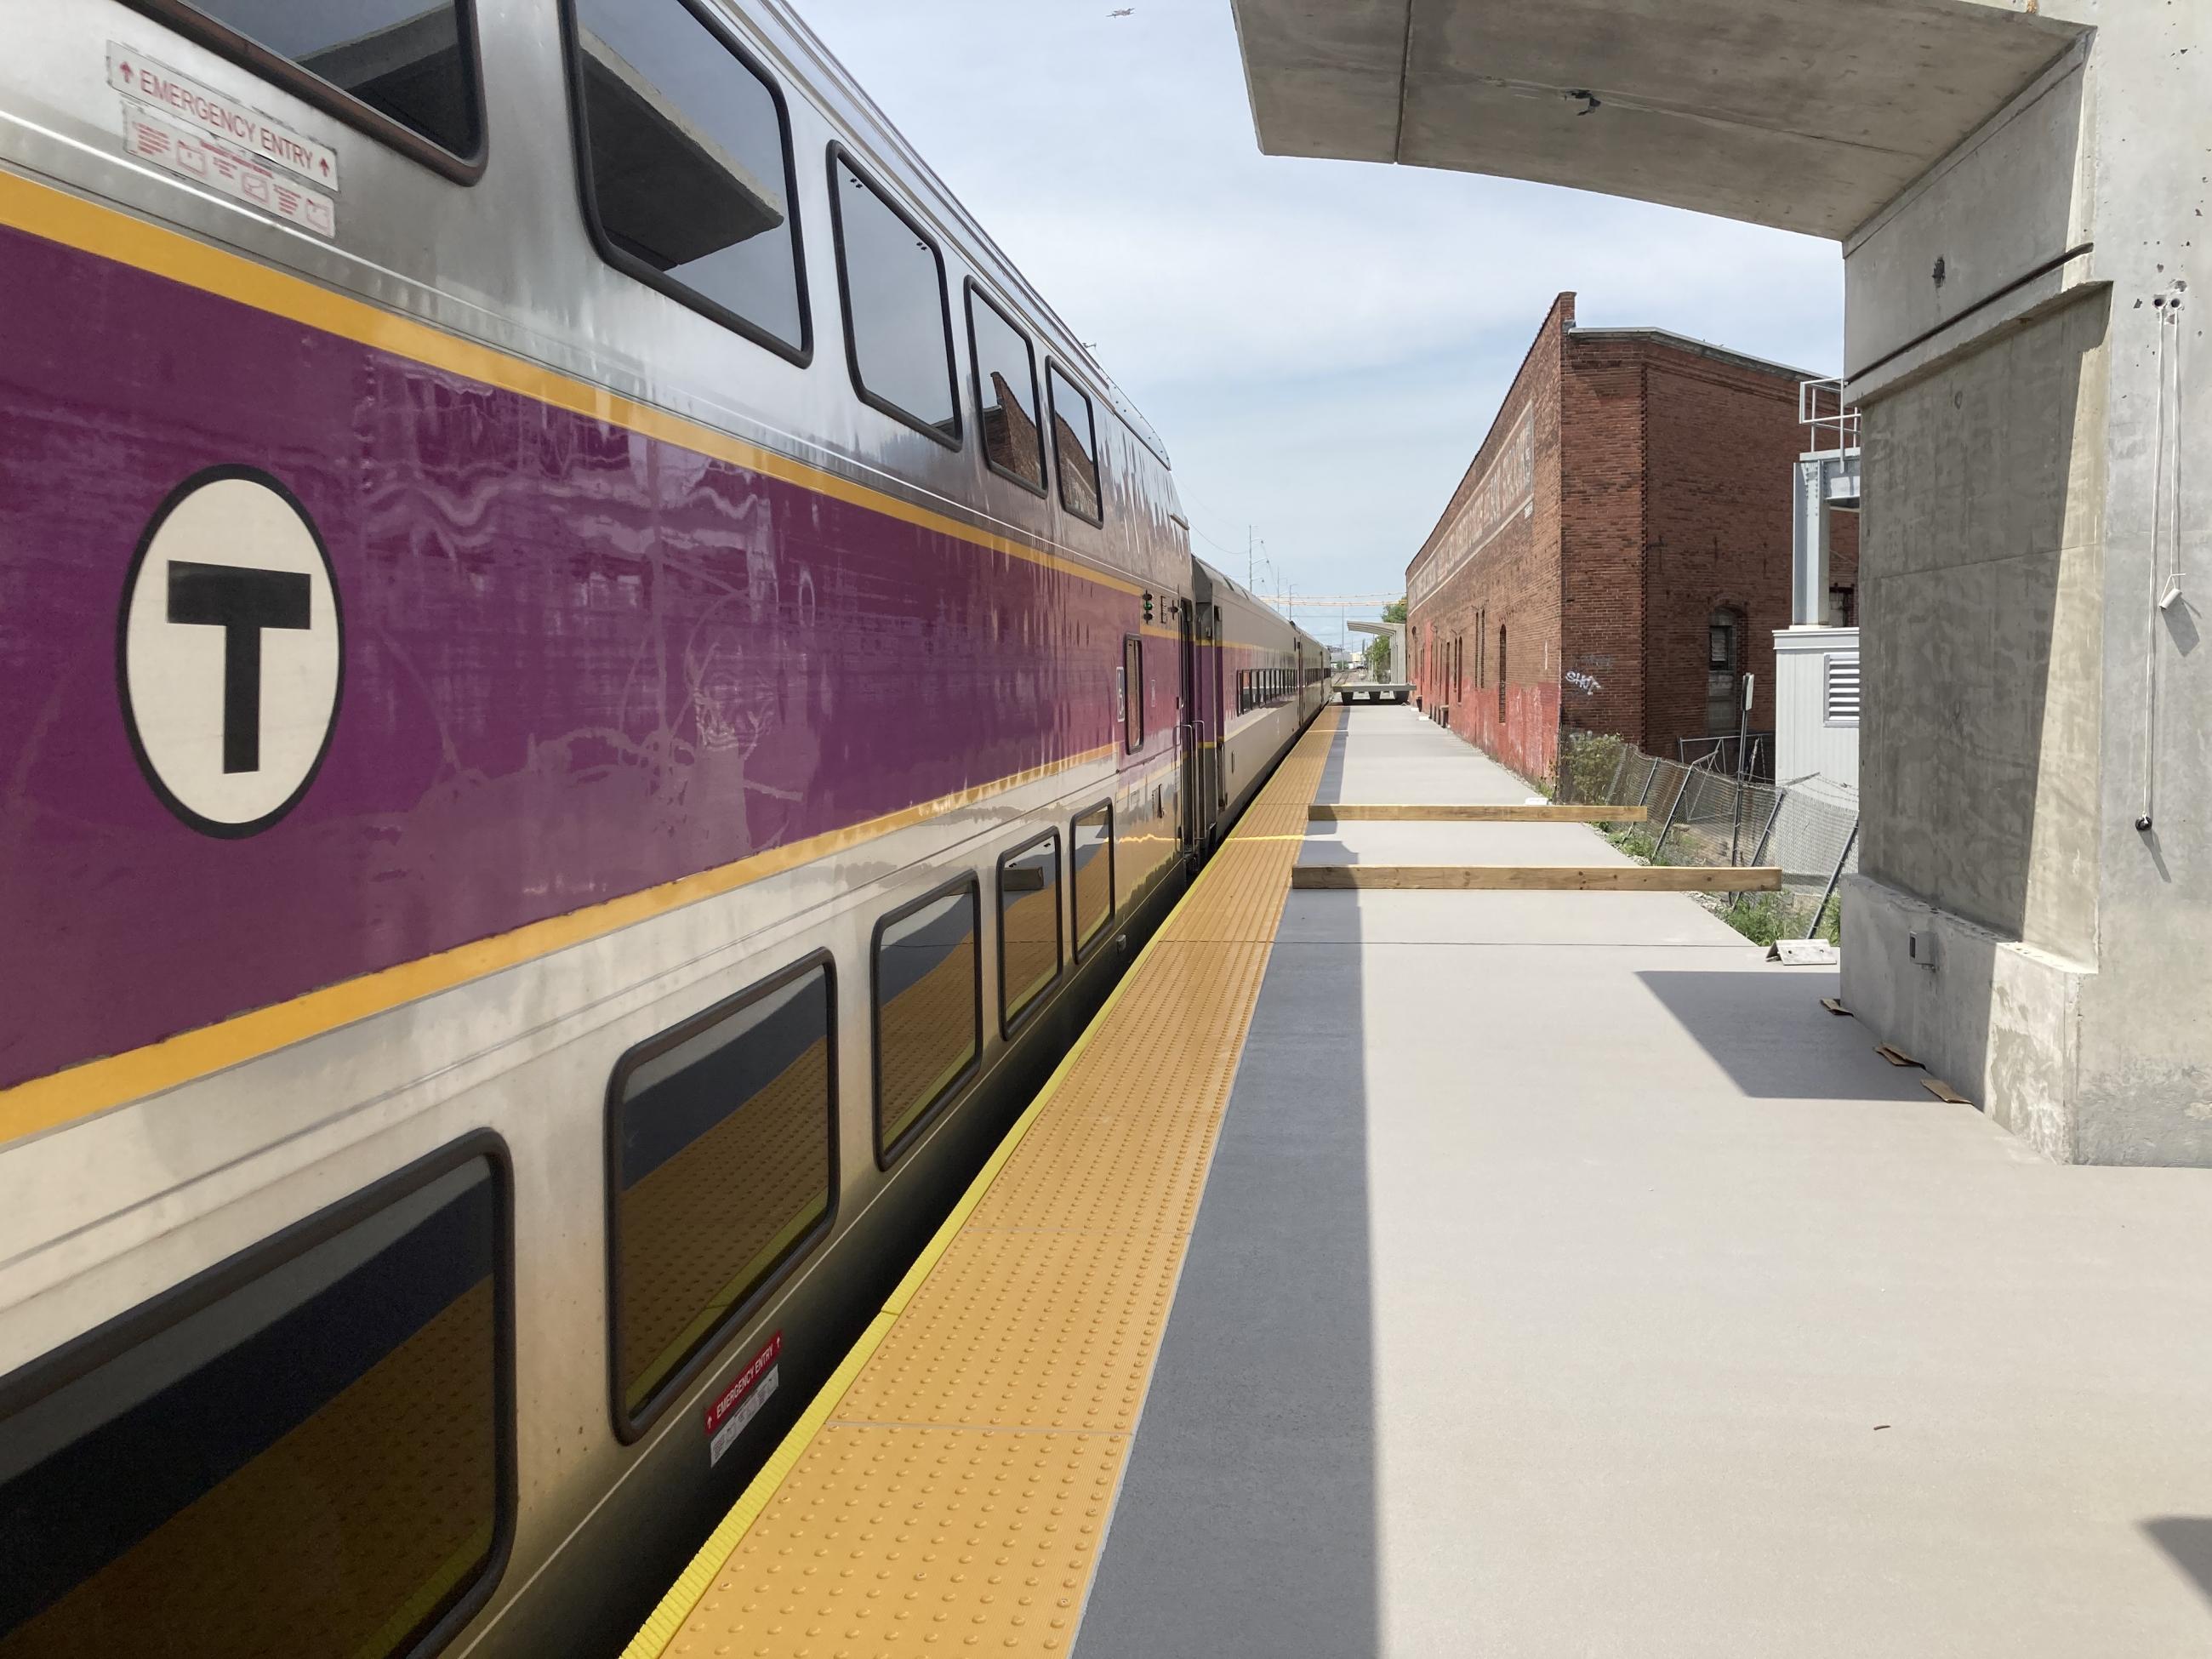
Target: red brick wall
(1723,444)
(1662,489)
(1512,581)
(1604,444)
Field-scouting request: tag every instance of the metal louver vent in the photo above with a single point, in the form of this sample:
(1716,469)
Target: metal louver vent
(1841,689)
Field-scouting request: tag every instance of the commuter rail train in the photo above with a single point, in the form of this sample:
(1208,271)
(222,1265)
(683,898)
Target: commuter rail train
(593,687)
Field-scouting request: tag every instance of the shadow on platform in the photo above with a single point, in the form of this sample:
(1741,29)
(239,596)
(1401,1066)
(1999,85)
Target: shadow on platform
(1770,1035)
(1245,1528)
(2187,1541)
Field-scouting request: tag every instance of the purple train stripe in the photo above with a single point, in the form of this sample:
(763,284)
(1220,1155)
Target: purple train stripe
(582,663)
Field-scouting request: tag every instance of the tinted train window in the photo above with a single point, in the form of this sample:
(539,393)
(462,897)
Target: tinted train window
(1091,847)
(410,61)
(1005,393)
(1132,675)
(1029,926)
(687,170)
(929,1010)
(305,1447)
(721,1143)
(896,325)
(1074,447)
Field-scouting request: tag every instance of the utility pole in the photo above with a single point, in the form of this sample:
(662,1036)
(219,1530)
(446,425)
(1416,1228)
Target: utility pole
(1249,585)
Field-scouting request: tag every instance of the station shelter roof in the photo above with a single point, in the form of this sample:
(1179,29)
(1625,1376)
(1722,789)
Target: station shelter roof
(1808,115)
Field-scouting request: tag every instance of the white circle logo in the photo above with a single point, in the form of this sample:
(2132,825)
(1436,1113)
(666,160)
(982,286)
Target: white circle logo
(230,652)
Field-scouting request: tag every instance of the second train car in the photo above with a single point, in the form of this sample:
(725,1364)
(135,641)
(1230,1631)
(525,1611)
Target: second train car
(594,687)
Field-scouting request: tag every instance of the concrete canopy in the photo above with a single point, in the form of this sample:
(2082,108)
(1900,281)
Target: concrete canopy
(1807,115)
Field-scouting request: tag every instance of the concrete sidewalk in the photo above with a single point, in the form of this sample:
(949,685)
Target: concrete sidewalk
(1570,1282)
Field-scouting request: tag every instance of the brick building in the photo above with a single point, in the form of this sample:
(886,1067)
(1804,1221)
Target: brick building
(1618,554)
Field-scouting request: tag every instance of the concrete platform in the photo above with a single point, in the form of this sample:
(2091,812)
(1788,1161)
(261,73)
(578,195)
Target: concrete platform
(1567,1282)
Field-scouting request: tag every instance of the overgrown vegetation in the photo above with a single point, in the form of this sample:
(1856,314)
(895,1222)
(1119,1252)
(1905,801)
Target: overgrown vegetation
(1633,839)
(1589,762)
(1762,918)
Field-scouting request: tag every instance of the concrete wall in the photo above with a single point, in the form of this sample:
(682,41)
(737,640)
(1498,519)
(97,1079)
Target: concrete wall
(2013,926)
(1980,597)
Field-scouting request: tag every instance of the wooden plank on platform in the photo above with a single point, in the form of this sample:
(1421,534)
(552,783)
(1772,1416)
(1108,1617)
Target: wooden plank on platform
(1546,877)
(1537,812)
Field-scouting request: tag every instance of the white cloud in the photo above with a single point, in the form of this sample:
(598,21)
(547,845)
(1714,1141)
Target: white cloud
(1320,344)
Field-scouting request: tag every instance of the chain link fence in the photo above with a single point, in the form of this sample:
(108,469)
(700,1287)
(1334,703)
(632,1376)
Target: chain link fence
(1698,814)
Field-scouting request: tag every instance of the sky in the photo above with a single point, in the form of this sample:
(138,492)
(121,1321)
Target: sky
(1320,344)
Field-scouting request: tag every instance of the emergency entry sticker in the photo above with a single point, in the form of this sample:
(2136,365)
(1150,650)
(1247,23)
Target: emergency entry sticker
(734,1409)
(187,128)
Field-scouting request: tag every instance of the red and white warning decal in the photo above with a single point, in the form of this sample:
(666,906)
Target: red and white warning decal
(181,127)
(735,1407)
(186,101)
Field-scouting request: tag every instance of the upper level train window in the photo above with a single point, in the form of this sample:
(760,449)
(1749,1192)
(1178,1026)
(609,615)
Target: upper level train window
(686,163)
(720,1136)
(898,330)
(308,1444)
(402,69)
(1074,447)
(929,1009)
(1005,393)
(1029,926)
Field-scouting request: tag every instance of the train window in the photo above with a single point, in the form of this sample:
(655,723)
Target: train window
(722,1156)
(1029,926)
(898,333)
(1090,850)
(928,1009)
(314,1436)
(1074,447)
(402,70)
(1005,392)
(686,166)
(1132,675)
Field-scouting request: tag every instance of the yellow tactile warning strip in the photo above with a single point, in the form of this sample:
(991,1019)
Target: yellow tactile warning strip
(947,1490)
(1487,813)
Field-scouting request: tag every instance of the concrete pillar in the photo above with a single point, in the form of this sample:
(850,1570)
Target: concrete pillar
(2036,483)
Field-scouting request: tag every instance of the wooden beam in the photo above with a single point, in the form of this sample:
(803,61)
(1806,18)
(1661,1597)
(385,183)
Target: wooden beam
(1541,812)
(1546,877)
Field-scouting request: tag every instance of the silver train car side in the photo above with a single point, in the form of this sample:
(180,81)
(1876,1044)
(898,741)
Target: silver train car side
(595,687)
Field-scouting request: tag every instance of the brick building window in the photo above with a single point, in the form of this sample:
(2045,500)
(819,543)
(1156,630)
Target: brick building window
(1501,673)
(1723,664)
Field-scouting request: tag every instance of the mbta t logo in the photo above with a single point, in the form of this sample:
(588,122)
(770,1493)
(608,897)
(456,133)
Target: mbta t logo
(243,604)
(230,651)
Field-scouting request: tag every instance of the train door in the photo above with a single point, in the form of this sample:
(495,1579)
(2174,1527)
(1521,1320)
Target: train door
(1218,749)
(1189,732)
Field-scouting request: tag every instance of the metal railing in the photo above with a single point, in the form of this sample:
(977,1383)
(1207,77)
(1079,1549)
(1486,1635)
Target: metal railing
(1755,760)
(1700,814)
(1834,423)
